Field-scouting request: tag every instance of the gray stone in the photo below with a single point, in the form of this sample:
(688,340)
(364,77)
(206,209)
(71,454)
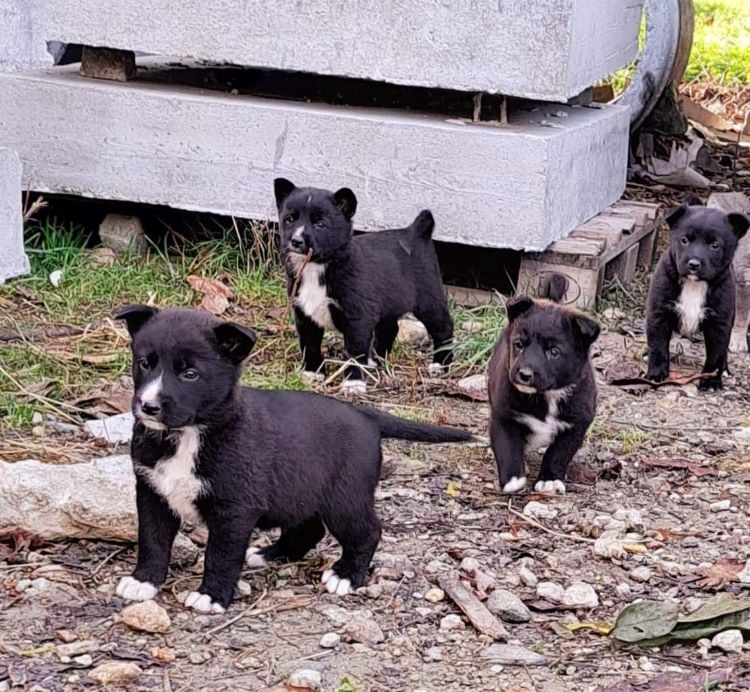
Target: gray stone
(433,654)
(451,622)
(513,655)
(527,576)
(122,233)
(306,679)
(114,429)
(507,606)
(412,332)
(469,565)
(473,386)
(539,510)
(720,506)
(364,630)
(730,641)
(330,640)
(552,172)
(13,260)
(580,595)
(550,591)
(641,574)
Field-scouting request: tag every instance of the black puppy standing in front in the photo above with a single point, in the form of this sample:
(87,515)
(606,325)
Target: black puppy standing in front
(206,450)
(360,285)
(693,288)
(542,389)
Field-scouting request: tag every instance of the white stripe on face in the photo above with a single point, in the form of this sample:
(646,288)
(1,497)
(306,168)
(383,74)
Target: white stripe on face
(151,392)
(298,232)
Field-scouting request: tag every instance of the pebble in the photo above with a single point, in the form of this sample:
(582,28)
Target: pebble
(528,577)
(433,654)
(507,606)
(641,574)
(451,622)
(609,545)
(336,614)
(539,510)
(115,672)
(550,591)
(330,640)
(374,590)
(84,660)
(474,387)
(412,332)
(623,590)
(744,576)
(513,655)
(730,641)
(720,506)
(469,565)
(306,679)
(580,595)
(365,631)
(631,518)
(198,657)
(434,595)
(66,636)
(146,616)
(244,588)
(690,542)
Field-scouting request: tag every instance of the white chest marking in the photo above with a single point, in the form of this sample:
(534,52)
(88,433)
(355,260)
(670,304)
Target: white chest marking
(691,306)
(174,477)
(312,297)
(543,432)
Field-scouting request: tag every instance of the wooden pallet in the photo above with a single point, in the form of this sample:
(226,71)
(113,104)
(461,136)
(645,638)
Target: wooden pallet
(610,245)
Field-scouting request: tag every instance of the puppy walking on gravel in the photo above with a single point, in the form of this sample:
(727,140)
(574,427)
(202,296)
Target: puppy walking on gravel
(693,288)
(542,388)
(360,285)
(207,451)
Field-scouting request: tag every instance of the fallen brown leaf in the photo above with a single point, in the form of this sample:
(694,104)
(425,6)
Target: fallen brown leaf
(216,294)
(679,463)
(724,571)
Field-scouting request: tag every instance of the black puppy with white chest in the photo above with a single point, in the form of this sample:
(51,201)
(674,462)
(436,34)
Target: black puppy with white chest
(542,389)
(360,285)
(693,289)
(207,451)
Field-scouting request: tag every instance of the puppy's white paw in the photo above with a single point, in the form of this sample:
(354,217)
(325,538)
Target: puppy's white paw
(253,558)
(354,387)
(310,377)
(202,603)
(435,369)
(738,343)
(515,485)
(371,363)
(555,487)
(335,584)
(133,590)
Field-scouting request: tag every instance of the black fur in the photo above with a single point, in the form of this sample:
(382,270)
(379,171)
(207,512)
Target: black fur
(545,347)
(701,247)
(294,460)
(372,279)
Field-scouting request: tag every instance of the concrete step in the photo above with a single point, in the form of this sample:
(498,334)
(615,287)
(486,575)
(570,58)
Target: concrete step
(13,260)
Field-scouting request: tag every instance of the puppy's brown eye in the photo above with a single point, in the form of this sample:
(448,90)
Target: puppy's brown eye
(715,245)
(290,218)
(189,375)
(554,352)
(518,344)
(684,241)
(144,364)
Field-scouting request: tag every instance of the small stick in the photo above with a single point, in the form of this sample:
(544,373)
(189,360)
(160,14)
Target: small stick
(473,608)
(573,537)
(231,621)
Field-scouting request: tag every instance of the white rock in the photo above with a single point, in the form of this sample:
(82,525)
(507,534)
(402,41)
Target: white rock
(469,565)
(513,655)
(306,679)
(550,591)
(55,277)
(412,332)
(744,576)
(451,622)
(244,588)
(146,616)
(623,590)
(527,576)
(580,595)
(720,506)
(539,510)
(641,574)
(364,630)
(114,429)
(433,654)
(630,517)
(730,641)
(610,545)
(434,595)
(46,499)
(507,606)
(330,640)
(474,386)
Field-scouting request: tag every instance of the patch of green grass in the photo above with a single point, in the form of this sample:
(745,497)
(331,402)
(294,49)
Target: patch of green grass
(477,331)
(630,439)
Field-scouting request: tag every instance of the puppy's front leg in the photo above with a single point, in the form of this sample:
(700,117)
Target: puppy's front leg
(658,334)
(310,341)
(717,336)
(508,445)
(557,457)
(225,554)
(157,528)
(357,340)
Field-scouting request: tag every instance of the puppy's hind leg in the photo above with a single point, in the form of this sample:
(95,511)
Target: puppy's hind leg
(293,544)
(439,324)
(357,529)
(738,340)
(386,332)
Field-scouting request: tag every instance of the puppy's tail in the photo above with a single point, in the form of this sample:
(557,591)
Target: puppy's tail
(556,288)
(402,429)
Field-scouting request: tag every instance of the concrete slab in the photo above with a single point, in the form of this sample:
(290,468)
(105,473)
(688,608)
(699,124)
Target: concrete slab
(517,186)
(548,50)
(13,260)
(22,35)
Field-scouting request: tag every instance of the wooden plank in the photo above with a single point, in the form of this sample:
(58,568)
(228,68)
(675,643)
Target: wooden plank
(572,246)
(584,284)
(651,209)
(623,221)
(484,621)
(108,63)
(646,249)
(472,297)
(623,266)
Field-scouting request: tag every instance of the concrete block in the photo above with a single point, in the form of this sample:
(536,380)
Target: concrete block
(13,260)
(518,186)
(108,63)
(22,35)
(541,49)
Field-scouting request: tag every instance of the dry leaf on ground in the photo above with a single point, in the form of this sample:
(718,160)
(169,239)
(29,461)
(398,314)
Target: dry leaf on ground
(216,294)
(721,573)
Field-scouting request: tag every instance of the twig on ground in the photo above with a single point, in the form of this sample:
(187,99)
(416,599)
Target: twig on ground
(529,520)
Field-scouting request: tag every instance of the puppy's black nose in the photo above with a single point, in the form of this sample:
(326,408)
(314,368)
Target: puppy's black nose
(526,376)
(150,409)
(694,264)
(297,244)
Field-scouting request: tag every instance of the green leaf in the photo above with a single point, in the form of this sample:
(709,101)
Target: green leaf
(645,620)
(721,604)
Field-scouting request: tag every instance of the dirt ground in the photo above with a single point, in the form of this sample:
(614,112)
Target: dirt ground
(439,505)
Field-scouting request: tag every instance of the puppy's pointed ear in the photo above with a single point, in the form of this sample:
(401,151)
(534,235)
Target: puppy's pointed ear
(282,188)
(235,341)
(674,216)
(135,316)
(586,328)
(517,306)
(346,201)
(740,224)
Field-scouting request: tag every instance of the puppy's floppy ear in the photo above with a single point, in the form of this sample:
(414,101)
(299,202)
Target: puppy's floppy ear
(282,188)
(693,201)
(586,328)
(135,316)
(517,306)
(346,201)
(740,224)
(235,341)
